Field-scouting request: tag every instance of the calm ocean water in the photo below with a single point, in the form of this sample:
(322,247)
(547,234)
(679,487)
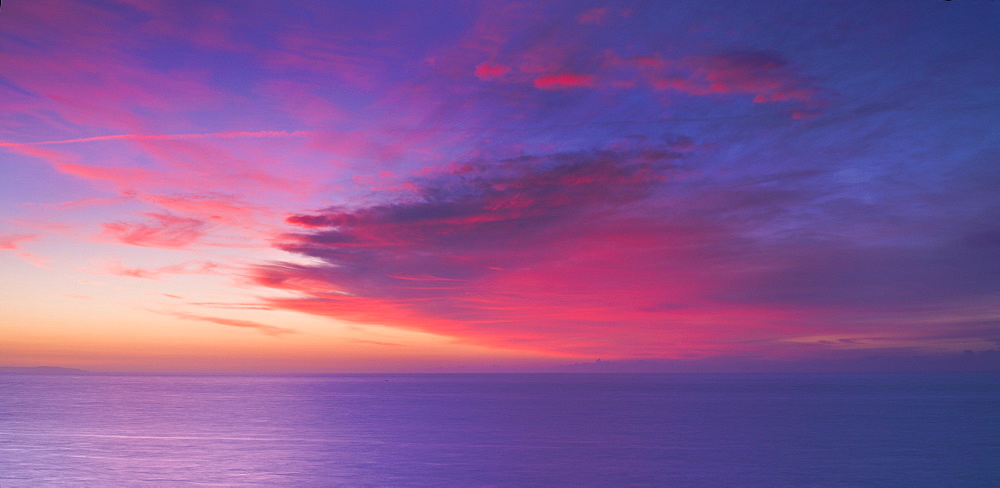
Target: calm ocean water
(499,430)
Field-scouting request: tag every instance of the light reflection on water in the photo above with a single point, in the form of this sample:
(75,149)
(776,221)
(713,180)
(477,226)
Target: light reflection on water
(499,430)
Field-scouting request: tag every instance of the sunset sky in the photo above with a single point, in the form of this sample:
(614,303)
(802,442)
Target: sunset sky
(253,186)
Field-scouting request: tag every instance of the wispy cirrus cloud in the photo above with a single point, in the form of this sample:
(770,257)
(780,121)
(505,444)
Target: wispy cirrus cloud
(59,75)
(116,267)
(35,260)
(160,230)
(602,15)
(13,241)
(268,330)
(161,137)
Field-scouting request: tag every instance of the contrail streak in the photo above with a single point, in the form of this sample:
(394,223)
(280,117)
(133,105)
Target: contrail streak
(164,137)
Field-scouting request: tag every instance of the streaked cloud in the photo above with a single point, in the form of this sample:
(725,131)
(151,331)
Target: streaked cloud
(160,230)
(268,330)
(13,241)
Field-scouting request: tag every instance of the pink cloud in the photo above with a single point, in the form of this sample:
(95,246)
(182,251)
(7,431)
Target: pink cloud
(183,164)
(268,330)
(66,79)
(36,260)
(618,251)
(326,54)
(190,267)
(601,15)
(217,208)
(13,241)
(84,203)
(162,230)
(560,81)
(40,224)
(203,165)
(125,178)
(765,76)
(303,102)
(593,16)
(489,71)
(184,173)
(206,26)
(560,240)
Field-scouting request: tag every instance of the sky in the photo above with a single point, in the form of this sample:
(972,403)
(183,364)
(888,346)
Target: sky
(396,186)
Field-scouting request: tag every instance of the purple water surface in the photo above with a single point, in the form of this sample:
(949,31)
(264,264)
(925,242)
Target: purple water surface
(500,430)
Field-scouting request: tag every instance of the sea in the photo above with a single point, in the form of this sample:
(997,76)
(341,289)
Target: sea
(500,430)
